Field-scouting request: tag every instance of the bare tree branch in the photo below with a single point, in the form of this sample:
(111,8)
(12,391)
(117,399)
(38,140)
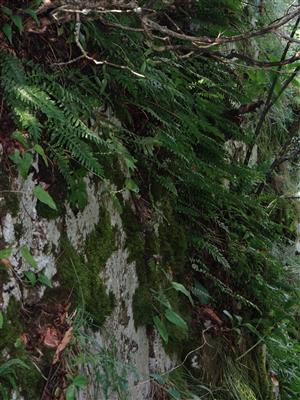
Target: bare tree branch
(97,62)
(269,102)
(203,40)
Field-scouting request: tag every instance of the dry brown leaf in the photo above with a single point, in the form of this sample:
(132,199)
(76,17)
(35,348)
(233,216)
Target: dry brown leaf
(5,262)
(24,338)
(62,345)
(51,338)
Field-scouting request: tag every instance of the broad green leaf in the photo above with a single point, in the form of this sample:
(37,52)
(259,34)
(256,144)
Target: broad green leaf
(32,14)
(160,326)
(180,288)
(7,11)
(80,381)
(176,319)
(70,393)
(131,185)
(17,20)
(31,277)
(44,280)
(41,152)
(15,157)
(17,135)
(7,30)
(25,253)
(44,197)
(23,163)
(5,253)
(1,320)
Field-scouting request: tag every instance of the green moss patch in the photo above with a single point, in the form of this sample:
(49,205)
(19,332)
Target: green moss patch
(80,277)
(173,242)
(29,380)
(154,256)
(9,202)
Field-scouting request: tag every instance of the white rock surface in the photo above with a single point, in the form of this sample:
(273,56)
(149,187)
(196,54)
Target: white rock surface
(42,237)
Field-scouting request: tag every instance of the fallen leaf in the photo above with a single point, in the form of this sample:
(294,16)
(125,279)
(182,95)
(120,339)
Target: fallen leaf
(24,338)
(62,345)
(51,338)
(5,262)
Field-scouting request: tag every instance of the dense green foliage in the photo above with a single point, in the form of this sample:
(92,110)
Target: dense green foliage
(221,243)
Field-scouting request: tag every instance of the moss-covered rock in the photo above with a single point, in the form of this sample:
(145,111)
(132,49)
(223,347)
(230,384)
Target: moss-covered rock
(173,242)
(9,201)
(79,274)
(28,379)
(156,257)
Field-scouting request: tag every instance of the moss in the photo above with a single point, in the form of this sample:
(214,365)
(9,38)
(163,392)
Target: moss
(80,278)
(12,327)
(19,230)
(144,246)
(141,249)
(9,201)
(113,171)
(263,385)
(142,306)
(29,380)
(4,276)
(135,239)
(173,242)
(258,375)
(45,211)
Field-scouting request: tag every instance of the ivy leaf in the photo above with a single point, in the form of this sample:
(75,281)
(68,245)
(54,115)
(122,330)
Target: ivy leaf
(30,276)
(176,319)
(7,30)
(25,253)
(5,253)
(44,280)
(44,197)
(160,326)
(41,152)
(1,320)
(180,288)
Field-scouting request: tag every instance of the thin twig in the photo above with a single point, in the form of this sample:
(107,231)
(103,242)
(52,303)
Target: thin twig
(98,62)
(185,358)
(269,102)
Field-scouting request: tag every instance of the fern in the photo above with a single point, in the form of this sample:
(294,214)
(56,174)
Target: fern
(65,129)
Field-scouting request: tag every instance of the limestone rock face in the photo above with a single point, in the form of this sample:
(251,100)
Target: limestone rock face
(134,347)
